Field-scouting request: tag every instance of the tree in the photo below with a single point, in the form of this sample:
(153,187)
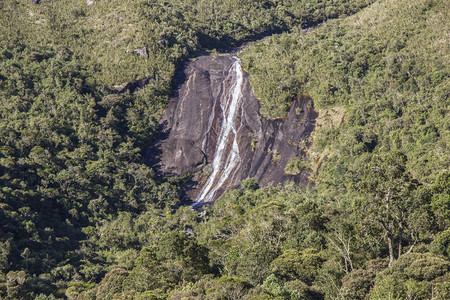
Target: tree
(389,200)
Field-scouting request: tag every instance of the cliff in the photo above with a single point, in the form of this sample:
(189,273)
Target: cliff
(212,128)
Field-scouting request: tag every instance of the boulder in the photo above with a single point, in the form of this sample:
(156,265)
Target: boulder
(142,51)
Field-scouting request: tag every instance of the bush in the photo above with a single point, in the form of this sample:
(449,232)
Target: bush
(250,184)
(295,166)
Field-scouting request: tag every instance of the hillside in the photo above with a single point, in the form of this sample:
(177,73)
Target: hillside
(83,86)
(388,66)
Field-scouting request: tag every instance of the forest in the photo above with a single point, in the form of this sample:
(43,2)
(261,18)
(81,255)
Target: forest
(83,215)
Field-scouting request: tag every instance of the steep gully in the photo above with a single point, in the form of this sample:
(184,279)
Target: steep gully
(212,129)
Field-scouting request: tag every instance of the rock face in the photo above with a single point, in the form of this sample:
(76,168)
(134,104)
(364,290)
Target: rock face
(131,86)
(212,128)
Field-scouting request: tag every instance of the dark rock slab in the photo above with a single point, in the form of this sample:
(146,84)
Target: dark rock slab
(192,121)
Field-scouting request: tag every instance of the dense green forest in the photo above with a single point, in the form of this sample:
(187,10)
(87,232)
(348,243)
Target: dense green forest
(82,216)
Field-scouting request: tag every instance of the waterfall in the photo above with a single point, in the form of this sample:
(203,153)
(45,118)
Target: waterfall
(215,115)
(225,160)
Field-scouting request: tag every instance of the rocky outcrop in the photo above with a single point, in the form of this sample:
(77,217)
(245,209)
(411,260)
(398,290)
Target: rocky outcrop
(142,51)
(131,86)
(194,121)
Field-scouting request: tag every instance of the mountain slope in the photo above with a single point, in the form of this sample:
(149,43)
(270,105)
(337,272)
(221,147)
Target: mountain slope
(83,217)
(388,66)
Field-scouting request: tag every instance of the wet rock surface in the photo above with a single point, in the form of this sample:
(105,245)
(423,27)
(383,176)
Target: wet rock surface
(192,124)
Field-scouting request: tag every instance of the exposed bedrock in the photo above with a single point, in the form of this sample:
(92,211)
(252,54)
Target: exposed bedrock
(212,129)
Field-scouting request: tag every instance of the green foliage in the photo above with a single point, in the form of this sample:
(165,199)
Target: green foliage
(412,276)
(295,166)
(440,202)
(76,288)
(390,200)
(292,265)
(391,79)
(176,258)
(250,184)
(229,288)
(111,284)
(275,287)
(391,76)
(441,244)
(357,284)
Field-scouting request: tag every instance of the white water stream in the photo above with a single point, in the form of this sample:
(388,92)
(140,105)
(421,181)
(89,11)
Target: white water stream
(224,162)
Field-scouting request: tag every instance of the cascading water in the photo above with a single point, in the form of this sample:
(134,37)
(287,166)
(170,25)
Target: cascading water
(225,160)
